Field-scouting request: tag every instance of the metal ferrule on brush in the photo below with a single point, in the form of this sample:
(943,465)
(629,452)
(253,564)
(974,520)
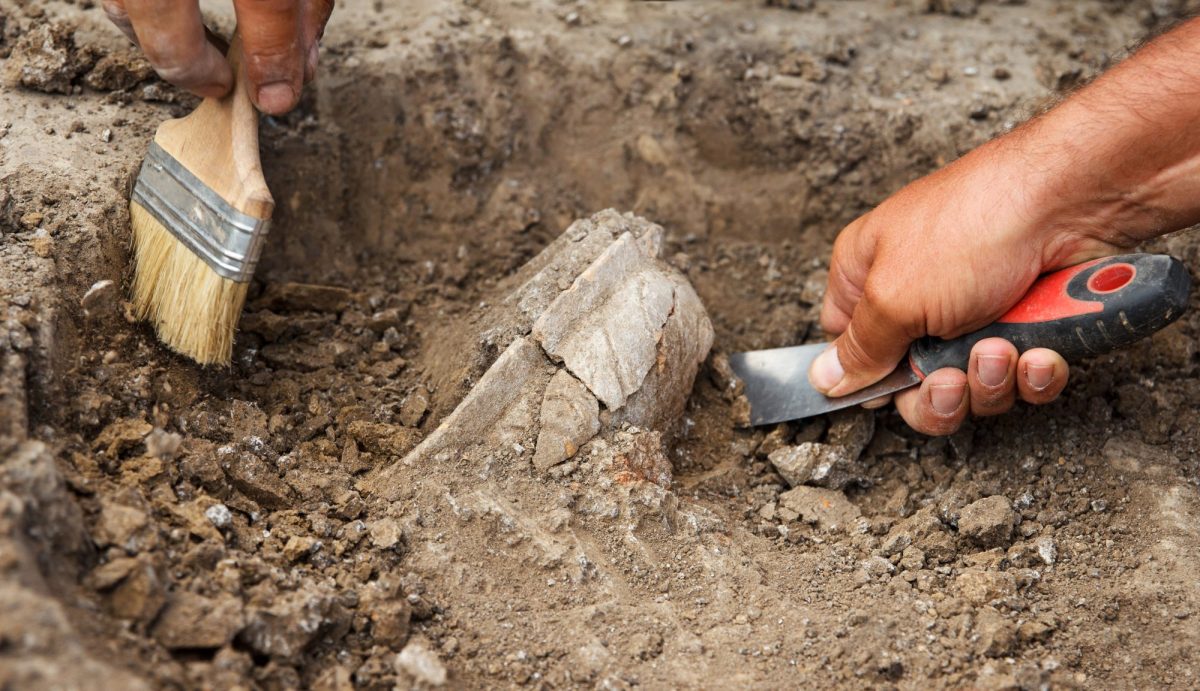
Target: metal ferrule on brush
(228,240)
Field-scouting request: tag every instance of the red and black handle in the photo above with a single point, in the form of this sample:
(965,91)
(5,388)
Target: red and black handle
(1087,309)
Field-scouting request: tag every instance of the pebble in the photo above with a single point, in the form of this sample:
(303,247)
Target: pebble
(219,515)
(1047,550)
(421,663)
(989,522)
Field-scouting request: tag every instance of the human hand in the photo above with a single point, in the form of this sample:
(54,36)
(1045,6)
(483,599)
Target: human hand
(279,39)
(944,256)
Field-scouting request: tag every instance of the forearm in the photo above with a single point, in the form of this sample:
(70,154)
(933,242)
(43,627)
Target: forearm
(1119,160)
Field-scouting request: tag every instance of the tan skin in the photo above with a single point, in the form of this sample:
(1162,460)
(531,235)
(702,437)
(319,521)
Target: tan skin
(279,39)
(1115,164)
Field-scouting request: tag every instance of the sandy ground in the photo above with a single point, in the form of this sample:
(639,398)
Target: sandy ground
(163,525)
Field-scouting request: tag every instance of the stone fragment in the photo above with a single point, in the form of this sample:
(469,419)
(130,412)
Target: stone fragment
(421,663)
(988,522)
(877,567)
(996,635)
(812,463)
(123,526)
(414,407)
(162,444)
(101,298)
(254,478)
(638,456)
(382,438)
(121,436)
(219,515)
(570,416)
(851,430)
(305,297)
(45,58)
(606,327)
(980,586)
(924,531)
(608,322)
(300,546)
(140,595)
(1037,629)
(192,621)
(1047,550)
(828,509)
(292,622)
(390,621)
(119,70)
(385,532)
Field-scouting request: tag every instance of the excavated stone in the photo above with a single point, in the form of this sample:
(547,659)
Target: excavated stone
(833,464)
(596,318)
(570,416)
(605,327)
(828,509)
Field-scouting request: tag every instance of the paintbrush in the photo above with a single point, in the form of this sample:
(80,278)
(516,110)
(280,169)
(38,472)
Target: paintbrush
(200,211)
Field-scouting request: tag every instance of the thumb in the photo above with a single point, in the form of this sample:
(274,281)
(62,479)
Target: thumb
(867,351)
(274,59)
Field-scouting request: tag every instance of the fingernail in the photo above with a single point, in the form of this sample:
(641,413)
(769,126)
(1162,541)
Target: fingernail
(947,397)
(827,370)
(993,369)
(276,98)
(1039,376)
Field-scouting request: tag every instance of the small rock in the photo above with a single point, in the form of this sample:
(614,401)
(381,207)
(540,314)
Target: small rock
(829,509)
(988,522)
(46,59)
(812,463)
(569,417)
(194,622)
(877,567)
(413,409)
(101,298)
(1047,550)
(385,532)
(163,445)
(300,546)
(421,663)
(981,587)
(219,515)
(1037,630)
(293,621)
(122,526)
(997,636)
(251,476)
(140,595)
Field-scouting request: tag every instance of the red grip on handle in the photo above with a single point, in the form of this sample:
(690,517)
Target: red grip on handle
(1048,300)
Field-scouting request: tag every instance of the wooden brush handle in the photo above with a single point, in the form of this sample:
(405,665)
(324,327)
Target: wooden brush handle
(218,143)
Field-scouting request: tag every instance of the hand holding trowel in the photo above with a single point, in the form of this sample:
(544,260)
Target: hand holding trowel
(1087,309)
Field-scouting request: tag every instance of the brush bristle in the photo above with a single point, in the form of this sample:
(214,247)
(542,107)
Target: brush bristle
(194,310)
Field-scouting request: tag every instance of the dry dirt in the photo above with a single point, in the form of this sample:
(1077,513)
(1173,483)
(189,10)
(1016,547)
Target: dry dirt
(163,525)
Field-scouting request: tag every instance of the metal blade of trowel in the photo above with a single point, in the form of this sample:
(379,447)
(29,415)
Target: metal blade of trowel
(777,385)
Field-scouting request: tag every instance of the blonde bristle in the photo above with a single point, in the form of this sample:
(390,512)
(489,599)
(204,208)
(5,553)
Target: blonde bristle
(194,310)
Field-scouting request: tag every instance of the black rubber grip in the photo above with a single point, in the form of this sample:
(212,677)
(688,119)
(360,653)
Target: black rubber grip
(1087,309)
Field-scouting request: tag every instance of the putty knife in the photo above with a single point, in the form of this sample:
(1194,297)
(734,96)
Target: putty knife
(1087,309)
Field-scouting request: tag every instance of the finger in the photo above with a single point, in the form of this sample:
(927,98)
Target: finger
(315,16)
(272,51)
(115,9)
(874,341)
(880,402)
(1041,375)
(991,376)
(171,34)
(848,267)
(937,407)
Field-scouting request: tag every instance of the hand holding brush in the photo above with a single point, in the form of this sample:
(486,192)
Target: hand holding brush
(200,212)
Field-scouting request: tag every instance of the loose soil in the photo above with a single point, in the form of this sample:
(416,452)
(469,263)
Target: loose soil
(163,525)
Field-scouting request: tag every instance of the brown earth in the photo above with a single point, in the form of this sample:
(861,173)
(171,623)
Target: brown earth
(170,526)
